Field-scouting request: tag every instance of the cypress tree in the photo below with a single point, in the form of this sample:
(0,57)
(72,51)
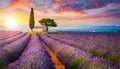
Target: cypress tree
(31,19)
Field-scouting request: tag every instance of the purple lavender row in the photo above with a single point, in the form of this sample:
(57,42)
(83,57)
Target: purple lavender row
(72,57)
(4,37)
(13,50)
(34,56)
(99,40)
(98,63)
(6,32)
(106,45)
(68,55)
(9,40)
(8,35)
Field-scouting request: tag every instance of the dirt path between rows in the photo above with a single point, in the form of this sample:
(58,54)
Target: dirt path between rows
(55,60)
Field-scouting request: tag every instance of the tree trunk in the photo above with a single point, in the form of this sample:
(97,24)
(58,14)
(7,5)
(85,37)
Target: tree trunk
(46,28)
(31,30)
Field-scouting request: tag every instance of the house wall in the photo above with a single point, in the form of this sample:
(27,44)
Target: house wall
(38,30)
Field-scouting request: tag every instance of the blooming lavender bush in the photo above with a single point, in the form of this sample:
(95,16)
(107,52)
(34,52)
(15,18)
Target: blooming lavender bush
(73,55)
(98,63)
(12,51)
(76,58)
(9,40)
(100,44)
(68,55)
(34,56)
(74,50)
(8,34)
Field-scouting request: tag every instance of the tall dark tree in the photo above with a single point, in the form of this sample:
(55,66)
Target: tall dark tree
(31,20)
(48,22)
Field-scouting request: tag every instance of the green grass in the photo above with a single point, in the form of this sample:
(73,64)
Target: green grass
(1,63)
(112,56)
(64,55)
(95,65)
(75,62)
(99,53)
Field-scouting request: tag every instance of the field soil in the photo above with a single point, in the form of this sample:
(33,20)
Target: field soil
(55,60)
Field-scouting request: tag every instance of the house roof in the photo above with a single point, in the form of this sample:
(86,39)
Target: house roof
(39,27)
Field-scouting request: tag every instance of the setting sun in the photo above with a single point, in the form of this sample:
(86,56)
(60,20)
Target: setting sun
(11,22)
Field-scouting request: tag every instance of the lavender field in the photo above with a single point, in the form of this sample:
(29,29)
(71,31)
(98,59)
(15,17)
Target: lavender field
(78,50)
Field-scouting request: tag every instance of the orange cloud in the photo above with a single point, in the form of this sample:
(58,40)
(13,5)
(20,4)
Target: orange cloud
(73,12)
(21,9)
(58,0)
(2,21)
(15,4)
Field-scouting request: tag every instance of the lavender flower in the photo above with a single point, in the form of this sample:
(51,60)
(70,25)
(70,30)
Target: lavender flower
(34,56)
(12,51)
(98,63)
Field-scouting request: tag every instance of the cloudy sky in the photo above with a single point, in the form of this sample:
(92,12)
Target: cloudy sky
(67,13)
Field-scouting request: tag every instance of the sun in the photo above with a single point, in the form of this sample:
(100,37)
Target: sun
(11,21)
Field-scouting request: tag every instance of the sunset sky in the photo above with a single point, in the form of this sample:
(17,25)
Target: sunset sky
(67,13)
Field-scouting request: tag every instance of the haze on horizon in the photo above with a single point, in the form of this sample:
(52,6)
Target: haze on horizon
(67,13)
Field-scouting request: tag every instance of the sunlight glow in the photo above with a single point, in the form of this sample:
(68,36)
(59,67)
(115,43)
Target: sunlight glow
(11,22)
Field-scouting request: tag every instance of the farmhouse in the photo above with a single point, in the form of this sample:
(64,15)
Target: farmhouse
(39,28)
